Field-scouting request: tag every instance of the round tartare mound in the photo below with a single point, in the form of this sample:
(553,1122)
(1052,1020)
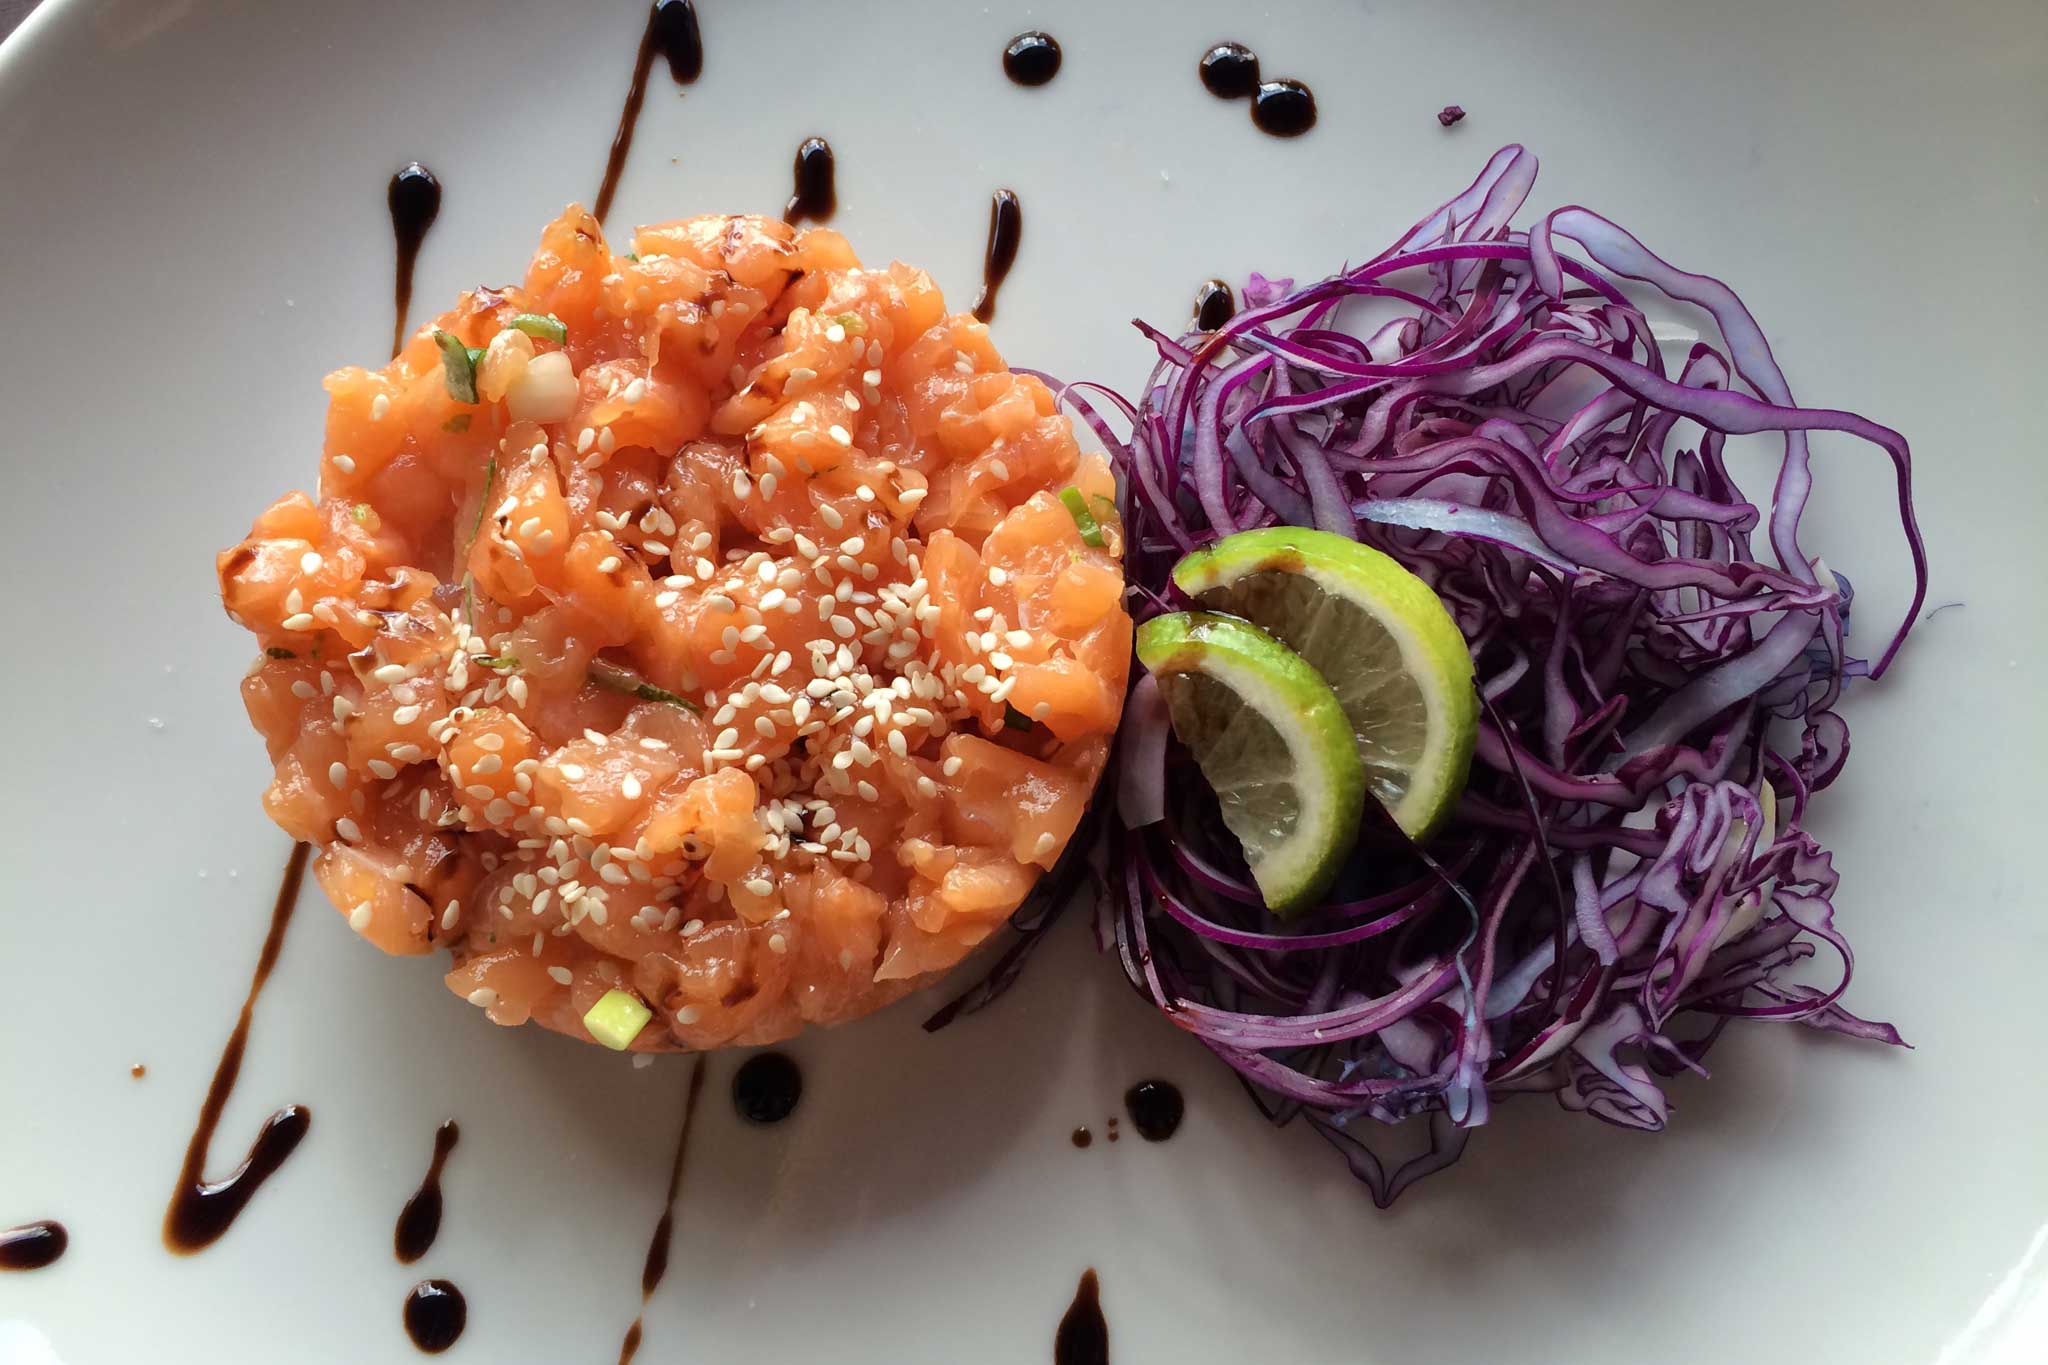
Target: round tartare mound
(698,642)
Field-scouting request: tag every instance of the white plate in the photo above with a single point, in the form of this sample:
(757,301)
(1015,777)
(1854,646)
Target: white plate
(191,205)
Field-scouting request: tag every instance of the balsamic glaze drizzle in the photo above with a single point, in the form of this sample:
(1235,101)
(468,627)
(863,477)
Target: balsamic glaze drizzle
(1083,1335)
(419,1222)
(672,31)
(815,195)
(656,1264)
(200,1211)
(435,1314)
(414,198)
(1005,231)
(32,1245)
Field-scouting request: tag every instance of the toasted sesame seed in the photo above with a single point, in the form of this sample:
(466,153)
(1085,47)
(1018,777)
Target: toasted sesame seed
(348,829)
(345,464)
(483,997)
(562,975)
(829,514)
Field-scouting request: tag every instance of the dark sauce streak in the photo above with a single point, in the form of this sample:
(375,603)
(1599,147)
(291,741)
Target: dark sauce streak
(1083,1336)
(1230,71)
(1032,58)
(1284,108)
(656,1264)
(1082,1137)
(767,1087)
(672,31)
(1214,305)
(414,198)
(816,196)
(419,1222)
(1005,231)
(435,1314)
(199,1211)
(32,1245)
(1156,1109)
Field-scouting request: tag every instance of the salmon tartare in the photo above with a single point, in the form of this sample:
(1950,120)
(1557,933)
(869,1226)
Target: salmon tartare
(697,642)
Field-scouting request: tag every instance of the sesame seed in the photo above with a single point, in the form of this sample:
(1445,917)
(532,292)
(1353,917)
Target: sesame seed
(483,997)
(348,829)
(405,715)
(300,621)
(951,767)
(829,514)
(998,576)
(759,886)
(630,788)
(867,790)
(688,1014)
(741,484)
(778,943)
(562,975)
(345,464)
(572,772)
(610,564)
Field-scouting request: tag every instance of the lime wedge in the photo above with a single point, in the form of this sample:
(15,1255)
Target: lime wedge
(1272,741)
(1380,635)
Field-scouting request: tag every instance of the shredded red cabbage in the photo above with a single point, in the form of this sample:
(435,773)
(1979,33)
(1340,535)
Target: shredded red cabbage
(1628,869)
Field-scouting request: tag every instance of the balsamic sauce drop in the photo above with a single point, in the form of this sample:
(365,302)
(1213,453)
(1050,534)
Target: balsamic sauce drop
(816,196)
(200,1211)
(672,31)
(1005,231)
(1156,1109)
(138,1071)
(1082,1137)
(1284,108)
(1230,71)
(766,1088)
(414,198)
(656,1264)
(1214,305)
(419,1222)
(1032,58)
(1083,1335)
(435,1314)
(32,1245)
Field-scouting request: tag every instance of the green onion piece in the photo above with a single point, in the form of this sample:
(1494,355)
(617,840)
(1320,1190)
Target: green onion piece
(1091,530)
(459,422)
(1013,719)
(280,652)
(360,513)
(504,663)
(616,1019)
(852,323)
(633,685)
(458,366)
(483,502)
(541,326)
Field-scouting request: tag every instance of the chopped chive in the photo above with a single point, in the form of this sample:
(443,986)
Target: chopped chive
(360,513)
(280,652)
(504,663)
(852,323)
(1013,719)
(633,256)
(633,685)
(459,422)
(458,365)
(541,326)
(1077,506)
(483,503)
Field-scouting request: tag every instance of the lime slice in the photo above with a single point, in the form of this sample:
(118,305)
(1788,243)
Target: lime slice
(1397,662)
(1273,742)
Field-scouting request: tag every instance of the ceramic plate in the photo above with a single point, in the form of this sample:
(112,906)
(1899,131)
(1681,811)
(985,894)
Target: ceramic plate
(192,205)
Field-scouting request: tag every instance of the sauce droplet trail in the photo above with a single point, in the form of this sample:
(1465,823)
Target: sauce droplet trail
(419,1222)
(32,1245)
(199,1211)
(672,31)
(766,1088)
(1005,231)
(1284,108)
(656,1264)
(1156,1109)
(1230,71)
(414,198)
(1082,1137)
(1032,58)
(1214,305)
(816,195)
(1083,1335)
(435,1314)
